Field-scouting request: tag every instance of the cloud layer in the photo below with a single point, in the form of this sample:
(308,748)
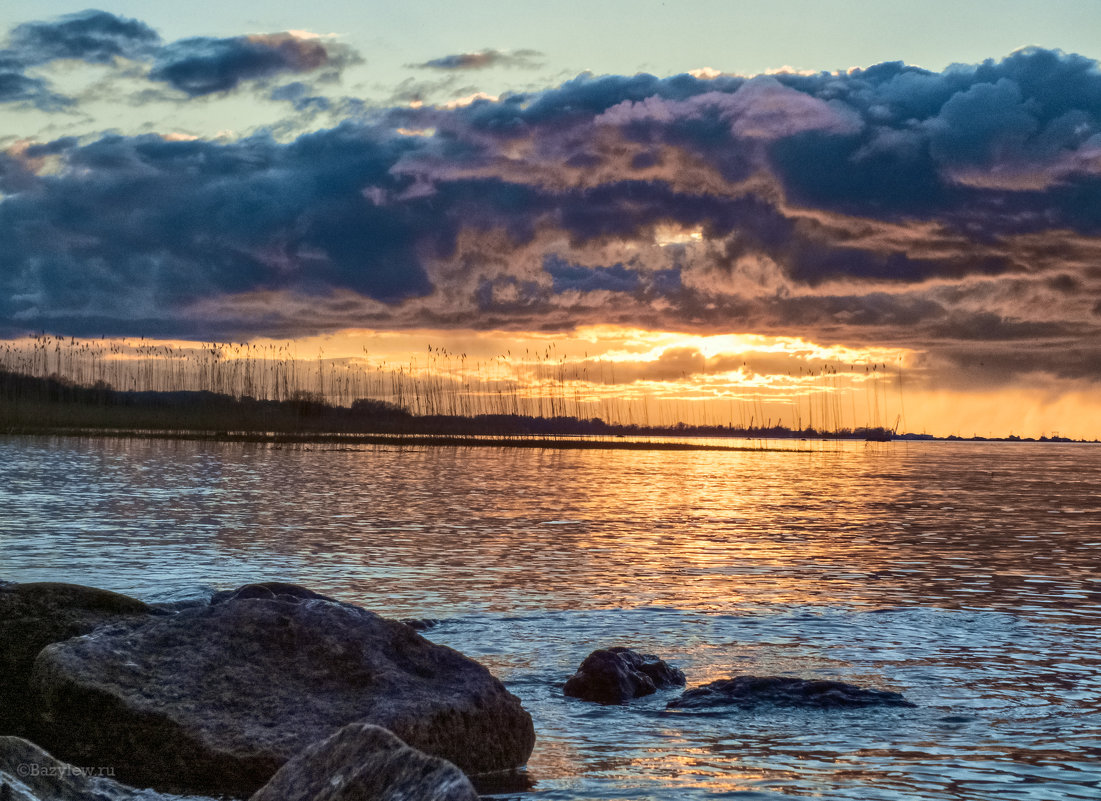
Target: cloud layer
(196,66)
(958,211)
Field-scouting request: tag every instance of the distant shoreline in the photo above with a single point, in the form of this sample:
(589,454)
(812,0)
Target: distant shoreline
(566,442)
(561,442)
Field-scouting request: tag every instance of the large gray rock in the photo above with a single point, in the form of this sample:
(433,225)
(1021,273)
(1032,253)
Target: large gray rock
(216,699)
(34,615)
(751,691)
(27,773)
(616,675)
(366,763)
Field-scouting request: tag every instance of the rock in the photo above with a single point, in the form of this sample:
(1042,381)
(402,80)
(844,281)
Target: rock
(34,615)
(216,699)
(615,675)
(172,607)
(751,691)
(27,773)
(269,590)
(366,763)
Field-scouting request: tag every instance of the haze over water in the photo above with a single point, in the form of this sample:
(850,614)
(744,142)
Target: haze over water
(964,575)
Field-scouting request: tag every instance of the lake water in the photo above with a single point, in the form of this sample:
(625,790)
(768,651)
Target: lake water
(965,575)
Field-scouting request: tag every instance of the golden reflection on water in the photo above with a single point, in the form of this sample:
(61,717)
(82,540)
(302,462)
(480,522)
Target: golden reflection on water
(429,529)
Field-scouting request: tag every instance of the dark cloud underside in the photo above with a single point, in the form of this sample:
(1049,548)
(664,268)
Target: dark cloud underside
(202,66)
(196,66)
(92,36)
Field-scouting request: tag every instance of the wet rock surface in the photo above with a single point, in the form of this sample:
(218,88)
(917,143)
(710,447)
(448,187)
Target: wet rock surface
(752,691)
(366,763)
(269,591)
(216,699)
(27,773)
(616,675)
(36,614)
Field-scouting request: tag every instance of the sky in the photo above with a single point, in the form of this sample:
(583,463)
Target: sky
(728,200)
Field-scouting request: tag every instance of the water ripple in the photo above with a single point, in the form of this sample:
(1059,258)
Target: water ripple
(963,575)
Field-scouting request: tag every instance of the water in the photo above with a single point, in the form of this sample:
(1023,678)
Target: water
(965,575)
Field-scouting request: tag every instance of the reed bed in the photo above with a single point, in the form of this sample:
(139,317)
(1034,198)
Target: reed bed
(829,399)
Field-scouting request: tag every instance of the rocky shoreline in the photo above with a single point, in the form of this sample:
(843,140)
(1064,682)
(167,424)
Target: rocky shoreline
(214,698)
(273,691)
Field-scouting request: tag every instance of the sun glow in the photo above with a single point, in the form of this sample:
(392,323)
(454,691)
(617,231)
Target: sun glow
(666,235)
(631,344)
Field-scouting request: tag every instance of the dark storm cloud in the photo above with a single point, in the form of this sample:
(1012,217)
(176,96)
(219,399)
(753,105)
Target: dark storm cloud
(204,65)
(482,59)
(93,36)
(939,142)
(890,204)
(196,66)
(143,227)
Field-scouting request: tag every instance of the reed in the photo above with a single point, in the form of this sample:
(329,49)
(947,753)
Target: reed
(439,383)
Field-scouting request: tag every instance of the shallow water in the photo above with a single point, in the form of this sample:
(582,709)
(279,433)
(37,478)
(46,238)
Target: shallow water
(965,575)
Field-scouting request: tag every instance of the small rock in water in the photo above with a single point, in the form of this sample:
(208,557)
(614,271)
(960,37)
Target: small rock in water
(268,591)
(616,675)
(421,623)
(366,763)
(751,691)
(27,773)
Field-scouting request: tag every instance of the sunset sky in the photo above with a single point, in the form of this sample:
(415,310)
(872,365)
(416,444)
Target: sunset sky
(724,199)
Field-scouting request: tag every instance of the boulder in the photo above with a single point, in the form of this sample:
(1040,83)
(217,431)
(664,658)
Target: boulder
(34,615)
(216,699)
(362,762)
(751,691)
(27,773)
(615,675)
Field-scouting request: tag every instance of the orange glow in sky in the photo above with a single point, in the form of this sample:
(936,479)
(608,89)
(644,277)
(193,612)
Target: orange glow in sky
(618,374)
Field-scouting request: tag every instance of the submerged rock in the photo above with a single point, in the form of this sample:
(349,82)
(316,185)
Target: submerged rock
(269,591)
(751,691)
(366,763)
(34,615)
(421,623)
(27,773)
(616,675)
(216,699)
